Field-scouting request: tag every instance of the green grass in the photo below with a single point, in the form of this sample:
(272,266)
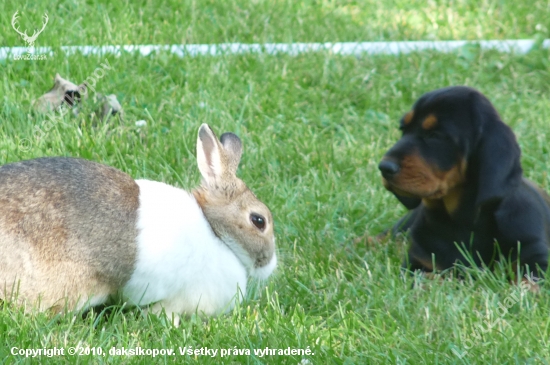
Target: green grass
(313,128)
(80,22)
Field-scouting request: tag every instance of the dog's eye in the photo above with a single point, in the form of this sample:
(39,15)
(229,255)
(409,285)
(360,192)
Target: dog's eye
(433,134)
(258,221)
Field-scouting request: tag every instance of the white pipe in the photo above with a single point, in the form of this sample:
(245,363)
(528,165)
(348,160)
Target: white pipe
(520,46)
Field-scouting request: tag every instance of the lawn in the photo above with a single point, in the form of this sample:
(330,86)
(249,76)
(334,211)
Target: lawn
(313,127)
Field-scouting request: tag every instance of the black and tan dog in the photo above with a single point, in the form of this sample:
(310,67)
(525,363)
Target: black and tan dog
(457,167)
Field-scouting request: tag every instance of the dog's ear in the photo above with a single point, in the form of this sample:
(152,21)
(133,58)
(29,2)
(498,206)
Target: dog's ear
(495,162)
(408,201)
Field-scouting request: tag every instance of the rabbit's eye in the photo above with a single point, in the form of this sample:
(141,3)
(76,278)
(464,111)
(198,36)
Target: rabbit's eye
(258,221)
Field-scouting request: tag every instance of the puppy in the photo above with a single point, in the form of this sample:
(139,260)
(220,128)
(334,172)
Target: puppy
(457,168)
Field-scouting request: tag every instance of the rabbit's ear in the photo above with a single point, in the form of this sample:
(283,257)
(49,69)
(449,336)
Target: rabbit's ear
(209,155)
(233,151)
(217,160)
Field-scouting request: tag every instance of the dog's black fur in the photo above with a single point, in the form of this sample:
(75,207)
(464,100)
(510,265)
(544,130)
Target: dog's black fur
(457,167)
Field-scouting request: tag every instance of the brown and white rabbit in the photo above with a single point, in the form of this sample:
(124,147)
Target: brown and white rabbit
(74,233)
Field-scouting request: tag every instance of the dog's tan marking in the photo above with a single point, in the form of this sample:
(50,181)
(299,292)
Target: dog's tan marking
(429,122)
(420,179)
(407,119)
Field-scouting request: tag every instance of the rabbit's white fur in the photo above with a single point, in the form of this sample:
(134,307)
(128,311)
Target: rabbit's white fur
(181,264)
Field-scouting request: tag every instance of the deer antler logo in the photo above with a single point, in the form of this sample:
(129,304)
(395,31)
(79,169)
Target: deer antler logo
(30,40)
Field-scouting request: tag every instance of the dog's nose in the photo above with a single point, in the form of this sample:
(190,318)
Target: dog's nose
(388,168)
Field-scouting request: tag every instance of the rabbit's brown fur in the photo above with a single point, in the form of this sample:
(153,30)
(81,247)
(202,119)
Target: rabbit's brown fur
(50,208)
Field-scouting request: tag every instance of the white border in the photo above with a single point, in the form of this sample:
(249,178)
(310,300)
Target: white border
(519,46)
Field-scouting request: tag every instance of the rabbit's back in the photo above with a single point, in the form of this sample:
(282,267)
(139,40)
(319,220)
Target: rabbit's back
(67,228)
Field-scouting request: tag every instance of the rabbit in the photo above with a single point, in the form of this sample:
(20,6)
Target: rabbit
(75,233)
